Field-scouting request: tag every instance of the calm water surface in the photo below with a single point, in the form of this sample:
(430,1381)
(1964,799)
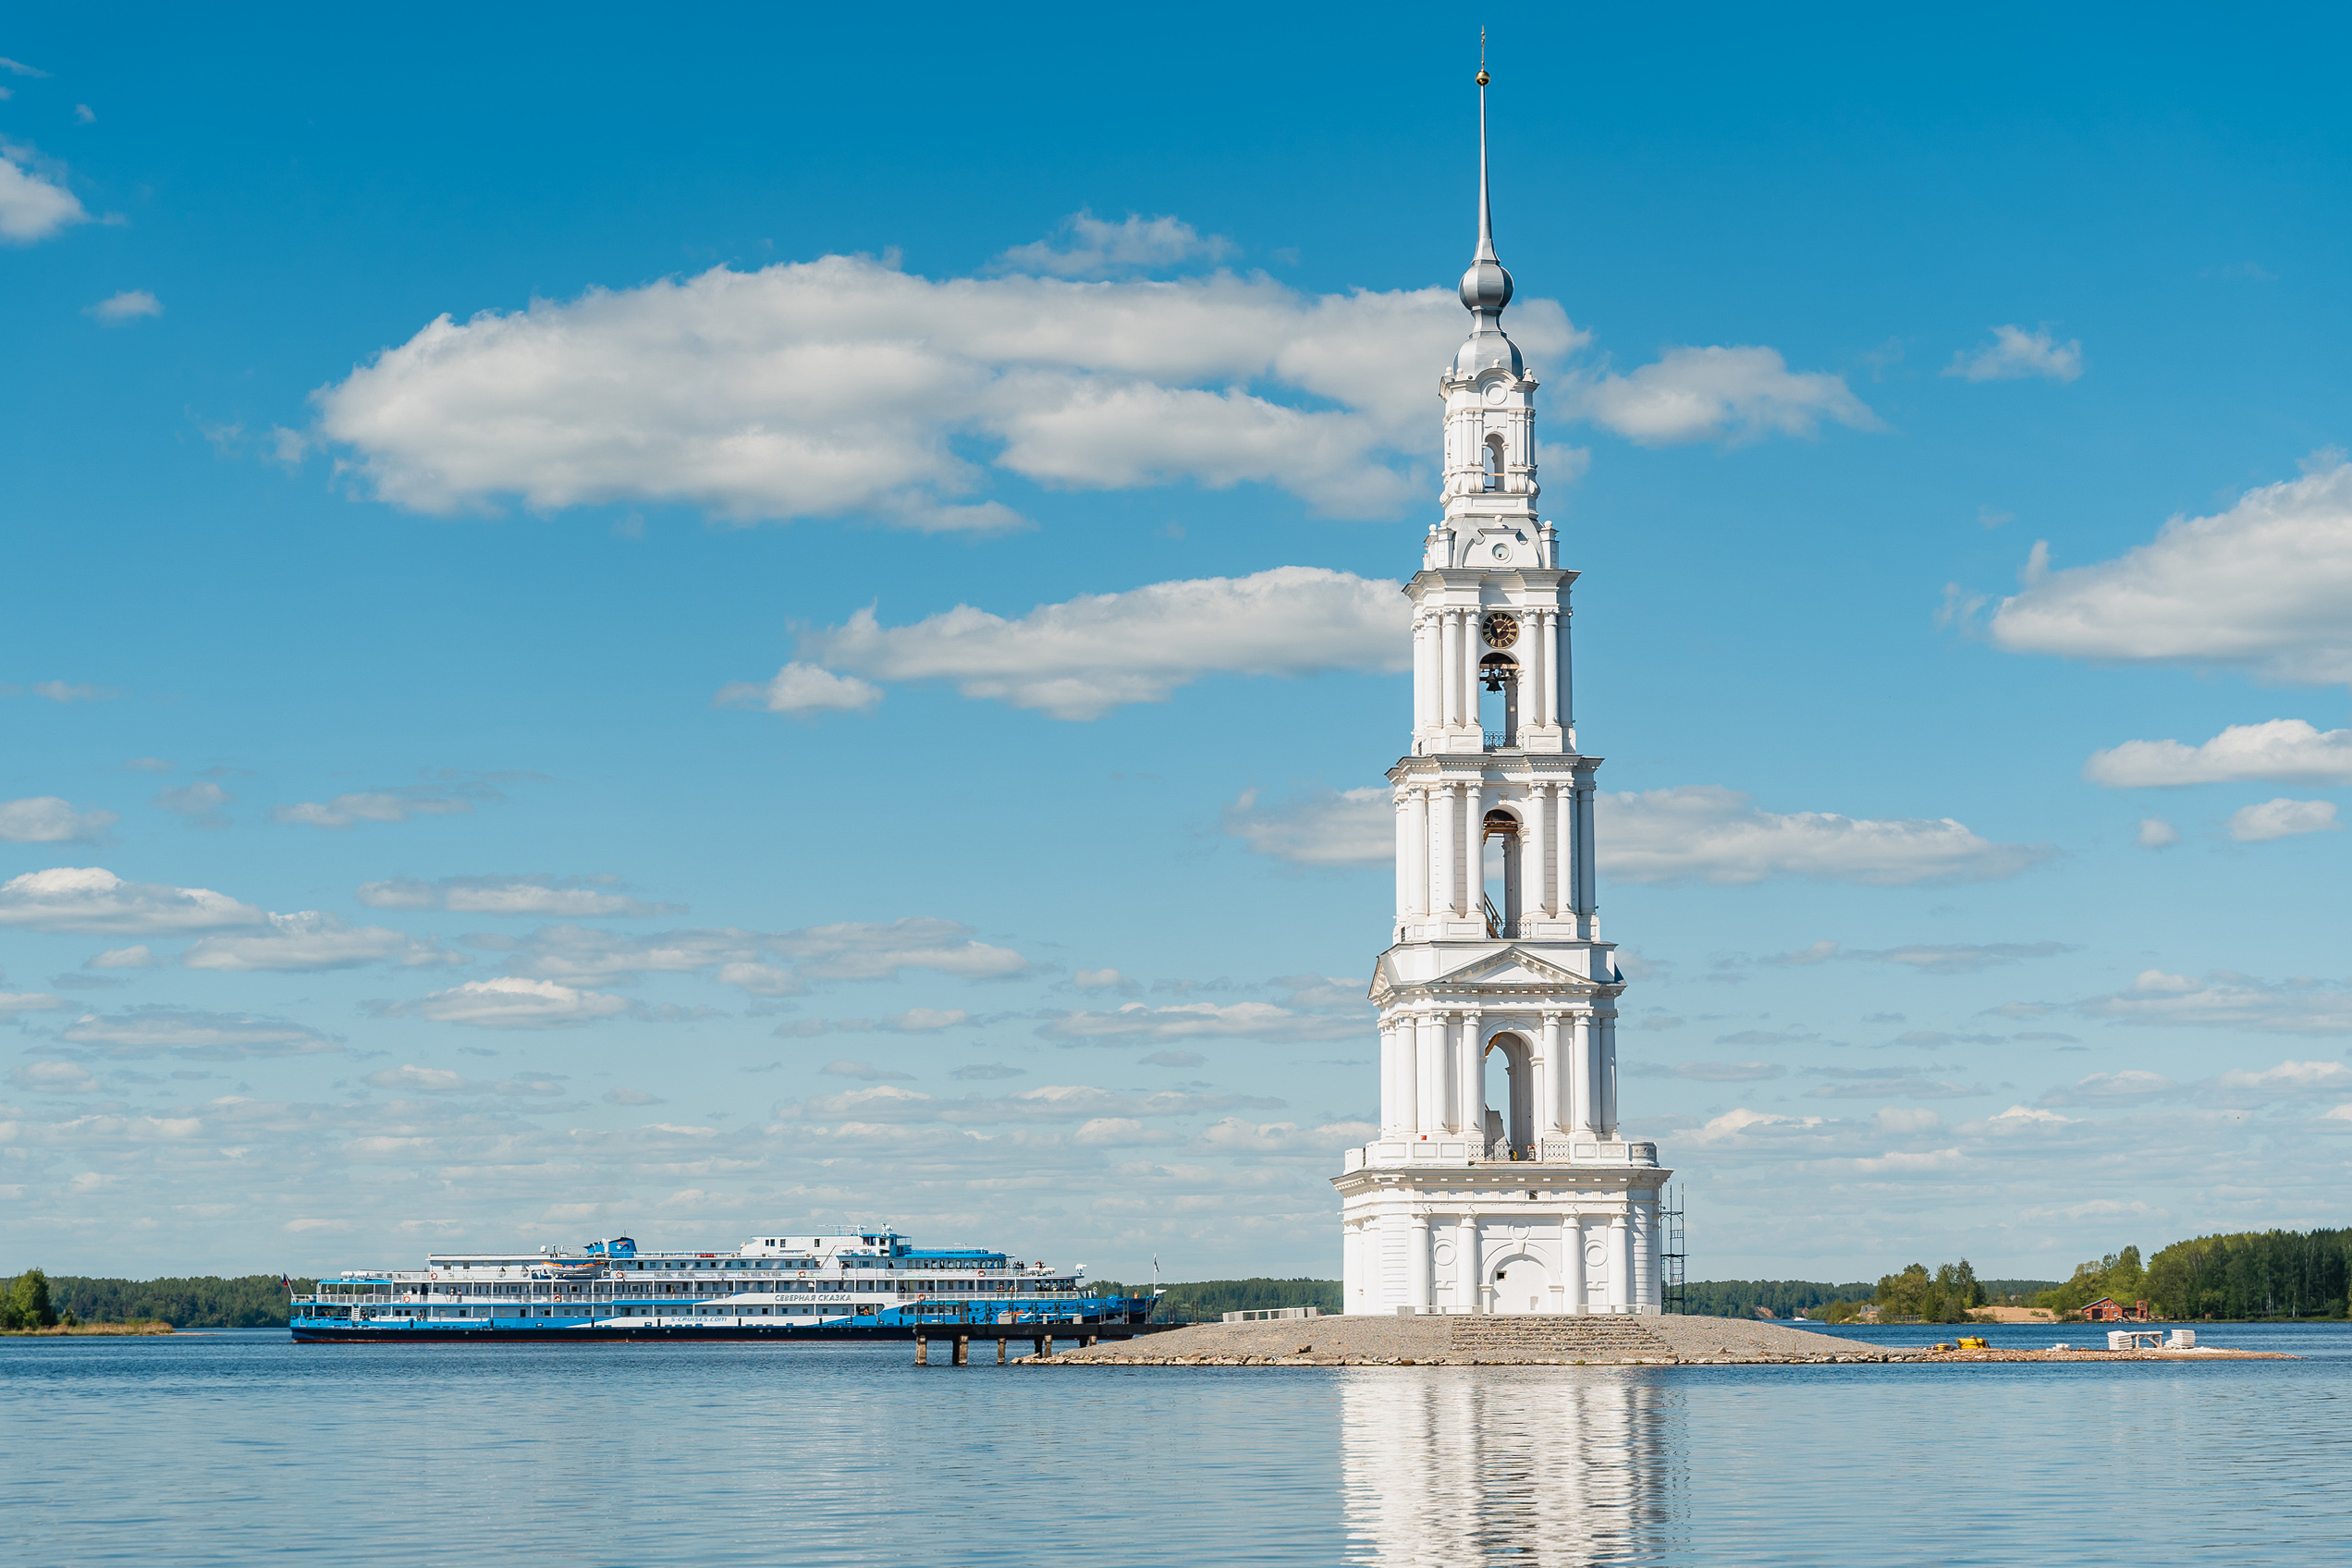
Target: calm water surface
(243,1448)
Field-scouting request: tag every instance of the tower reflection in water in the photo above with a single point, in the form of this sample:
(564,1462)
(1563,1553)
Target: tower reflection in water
(1445,1467)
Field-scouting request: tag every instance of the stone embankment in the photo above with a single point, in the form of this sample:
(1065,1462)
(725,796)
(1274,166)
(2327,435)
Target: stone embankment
(1540,1341)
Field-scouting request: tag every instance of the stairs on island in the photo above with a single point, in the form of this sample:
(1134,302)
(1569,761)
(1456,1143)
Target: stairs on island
(1555,1337)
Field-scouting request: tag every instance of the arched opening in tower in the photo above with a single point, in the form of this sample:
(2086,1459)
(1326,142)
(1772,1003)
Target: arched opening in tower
(1510,1075)
(1499,873)
(1493,464)
(1499,699)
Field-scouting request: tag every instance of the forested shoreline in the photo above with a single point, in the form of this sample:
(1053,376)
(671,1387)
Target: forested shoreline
(2245,1274)
(250,1301)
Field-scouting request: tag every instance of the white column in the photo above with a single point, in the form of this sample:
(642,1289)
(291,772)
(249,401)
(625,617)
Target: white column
(1550,653)
(1474,849)
(1535,707)
(1416,1262)
(1402,800)
(1535,884)
(1470,1097)
(1474,1271)
(1554,1116)
(1391,1092)
(1469,667)
(1416,849)
(1450,652)
(1581,1074)
(1605,1056)
(1563,645)
(1429,1076)
(1621,1265)
(1586,881)
(1563,808)
(1441,844)
(1648,1296)
(1572,1256)
(1425,674)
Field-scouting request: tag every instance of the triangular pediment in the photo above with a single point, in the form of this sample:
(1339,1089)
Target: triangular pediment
(1512,966)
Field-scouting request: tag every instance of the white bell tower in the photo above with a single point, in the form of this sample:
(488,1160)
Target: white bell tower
(1541,1205)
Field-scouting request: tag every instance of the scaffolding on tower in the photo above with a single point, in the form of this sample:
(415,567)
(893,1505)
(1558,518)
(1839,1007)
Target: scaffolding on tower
(1674,1291)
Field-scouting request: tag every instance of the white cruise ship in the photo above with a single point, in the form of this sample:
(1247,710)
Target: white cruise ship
(856,1284)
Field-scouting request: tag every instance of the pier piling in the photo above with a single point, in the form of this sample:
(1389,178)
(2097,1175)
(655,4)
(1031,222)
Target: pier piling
(962,1350)
(1000,1350)
(922,1351)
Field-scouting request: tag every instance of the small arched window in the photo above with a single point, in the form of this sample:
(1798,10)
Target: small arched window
(1494,463)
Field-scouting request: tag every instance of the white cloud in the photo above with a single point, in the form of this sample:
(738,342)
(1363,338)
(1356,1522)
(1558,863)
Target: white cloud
(850,951)
(878,950)
(510,1002)
(1696,831)
(1248,1021)
(139,957)
(45,819)
(925,1019)
(2228,1001)
(395,804)
(1741,1122)
(65,691)
(1819,952)
(54,1078)
(2283,819)
(34,202)
(725,390)
(186,1032)
(2284,751)
(1965,958)
(631,1096)
(2014,353)
(312,941)
(1709,1071)
(2265,586)
(97,902)
(1330,827)
(2155,833)
(2288,1081)
(412,1079)
(802,688)
(127,306)
(1085,246)
(1706,832)
(1734,394)
(868,1072)
(761,979)
(200,804)
(12,1003)
(1101,980)
(1050,1102)
(1080,658)
(572,897)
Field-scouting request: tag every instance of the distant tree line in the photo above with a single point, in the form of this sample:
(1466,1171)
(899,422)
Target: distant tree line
(25,1303)
(251,1301)
(1205,1300)
(1781,1298)
(2245,1274)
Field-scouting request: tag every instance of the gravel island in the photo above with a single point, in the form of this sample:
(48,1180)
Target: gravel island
(1545,1342)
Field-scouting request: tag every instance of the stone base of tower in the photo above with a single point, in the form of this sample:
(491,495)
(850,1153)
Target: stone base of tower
(1427,1229)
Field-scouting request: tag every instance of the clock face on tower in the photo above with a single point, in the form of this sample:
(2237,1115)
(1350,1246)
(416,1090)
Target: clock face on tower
(1500,630)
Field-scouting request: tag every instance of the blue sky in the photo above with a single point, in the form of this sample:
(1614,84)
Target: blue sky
(689,625)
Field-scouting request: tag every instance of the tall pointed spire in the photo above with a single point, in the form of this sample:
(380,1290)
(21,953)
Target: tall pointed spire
(1486,287)
(1485,252)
